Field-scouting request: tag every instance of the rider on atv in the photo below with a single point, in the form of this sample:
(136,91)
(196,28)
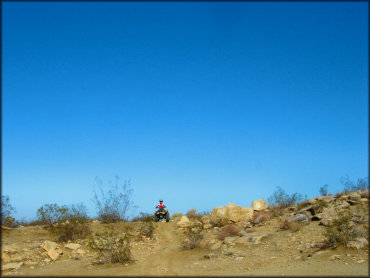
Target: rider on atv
(160,205)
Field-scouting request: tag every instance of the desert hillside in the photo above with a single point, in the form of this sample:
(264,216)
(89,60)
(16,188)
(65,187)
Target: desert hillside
(327,235)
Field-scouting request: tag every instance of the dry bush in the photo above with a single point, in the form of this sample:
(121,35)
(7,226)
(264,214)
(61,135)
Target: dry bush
(71,230)
(218,221)
(7,211)
(112,247)
(229,230)
(319,206)
(341,230)
(177,216)
(193,235)
(302,205)
(283,200)
(261,216)
(292,226)
(147,229)
(143,217)
(193,215)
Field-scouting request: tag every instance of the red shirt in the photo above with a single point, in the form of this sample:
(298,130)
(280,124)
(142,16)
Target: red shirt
(160,206)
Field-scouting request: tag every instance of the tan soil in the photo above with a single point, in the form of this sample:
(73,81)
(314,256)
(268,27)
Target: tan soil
(277,255)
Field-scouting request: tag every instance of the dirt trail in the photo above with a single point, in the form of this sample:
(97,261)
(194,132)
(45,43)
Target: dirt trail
(163,260)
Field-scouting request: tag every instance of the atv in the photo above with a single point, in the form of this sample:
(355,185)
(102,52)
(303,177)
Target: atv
(161,214)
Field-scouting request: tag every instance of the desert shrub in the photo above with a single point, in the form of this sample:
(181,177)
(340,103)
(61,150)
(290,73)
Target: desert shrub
(341,230)
(324,190)
(319,206)
(349,185)
(50,214)
(112,247)
(229,230)
(177,216)
(193,235)
(193,215)
(143,217)
(114,205)
(261,216)
(292,226)
(147,229)
(219,221)
(7,211)
(75,225)
(302,205)
(280,199)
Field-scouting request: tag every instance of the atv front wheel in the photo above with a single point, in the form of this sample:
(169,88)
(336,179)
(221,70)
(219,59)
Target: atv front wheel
(167,217)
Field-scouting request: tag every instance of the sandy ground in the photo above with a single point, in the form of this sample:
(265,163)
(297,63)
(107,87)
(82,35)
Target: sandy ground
(277,255)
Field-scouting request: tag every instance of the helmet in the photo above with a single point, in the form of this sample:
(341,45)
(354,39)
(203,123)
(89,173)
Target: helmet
(161,200)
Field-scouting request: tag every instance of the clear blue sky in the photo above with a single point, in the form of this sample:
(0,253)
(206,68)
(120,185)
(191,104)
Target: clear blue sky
(197,103)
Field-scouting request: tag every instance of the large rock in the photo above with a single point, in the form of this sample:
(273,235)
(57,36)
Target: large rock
(9,266)
(328,213)
(364,194)
(184,221)
(300,217)
(48,245)
(259,205)
(233,213)
(354,196)
(53,254)
(358,243)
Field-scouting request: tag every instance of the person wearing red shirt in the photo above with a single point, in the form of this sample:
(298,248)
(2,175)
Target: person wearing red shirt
(160,205)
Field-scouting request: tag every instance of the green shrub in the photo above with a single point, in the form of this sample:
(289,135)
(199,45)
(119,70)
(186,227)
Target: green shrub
(50,214)
(112,247)
(280,199)
(340,231)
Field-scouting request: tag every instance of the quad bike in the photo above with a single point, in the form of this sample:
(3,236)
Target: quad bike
(161,214)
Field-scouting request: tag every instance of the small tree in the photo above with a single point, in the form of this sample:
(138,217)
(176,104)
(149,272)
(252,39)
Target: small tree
(282,200)
(113,205)
(7,211)
(50,214)
(324,190)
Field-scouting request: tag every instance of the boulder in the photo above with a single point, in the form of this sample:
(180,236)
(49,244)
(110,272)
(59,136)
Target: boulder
(184,221)
(328,213)
(259,205)
(48,245)
(72,246)
(233,213)
(354,196)
(53,254)
(311,201)
(9,266)
(364,194)
(358,243)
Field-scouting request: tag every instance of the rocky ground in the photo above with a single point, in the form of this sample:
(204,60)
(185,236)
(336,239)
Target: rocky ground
(257,246)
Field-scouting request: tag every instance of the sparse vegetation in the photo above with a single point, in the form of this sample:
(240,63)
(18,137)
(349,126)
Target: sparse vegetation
(261,216)
(193,215)
(341,230)
(75,225)
(112,247)
(113,205)
(324,190)
(143,217)
(50,214)
(229,230)
(7,211)
(280,199)
(349,185)
(177,216)
(320,205)
(147,229)
(218,221)
(291,226)
(193,235)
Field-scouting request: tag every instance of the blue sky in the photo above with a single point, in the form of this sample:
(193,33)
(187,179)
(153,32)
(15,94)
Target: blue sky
(196,103)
